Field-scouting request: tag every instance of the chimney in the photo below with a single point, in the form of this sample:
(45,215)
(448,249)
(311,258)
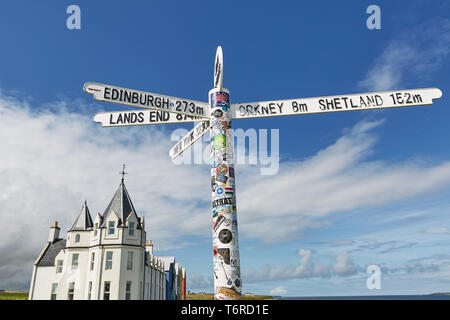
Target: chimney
(54,232)
(149,246)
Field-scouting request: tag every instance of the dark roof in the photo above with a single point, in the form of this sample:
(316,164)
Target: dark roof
(48,258)
(121,205)
(84,220)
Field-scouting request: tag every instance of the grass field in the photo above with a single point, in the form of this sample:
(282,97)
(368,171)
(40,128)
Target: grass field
(13,295)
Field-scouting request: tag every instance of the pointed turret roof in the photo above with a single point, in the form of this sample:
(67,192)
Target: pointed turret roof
(121,206)
(84,220)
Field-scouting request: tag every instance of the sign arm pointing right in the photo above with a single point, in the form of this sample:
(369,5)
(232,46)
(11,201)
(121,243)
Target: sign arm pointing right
(362,101)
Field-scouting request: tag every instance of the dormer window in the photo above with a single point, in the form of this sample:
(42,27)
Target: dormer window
(77,238)
(111,227)
(131,229)
(95,230)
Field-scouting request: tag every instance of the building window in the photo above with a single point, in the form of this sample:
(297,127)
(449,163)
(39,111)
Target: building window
(77,238)
(128,291)
(106,290)
(92,260)
(71,291)
(131,229)
(75,261)
(95,230)
(111,227)
(53,293)
(130,261)
(59,266)
(90,290)
(109,256)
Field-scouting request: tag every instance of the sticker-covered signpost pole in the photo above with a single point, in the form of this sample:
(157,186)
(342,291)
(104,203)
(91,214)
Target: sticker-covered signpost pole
(227,275)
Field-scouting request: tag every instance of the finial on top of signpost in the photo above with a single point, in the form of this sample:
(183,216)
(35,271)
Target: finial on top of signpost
(218,69)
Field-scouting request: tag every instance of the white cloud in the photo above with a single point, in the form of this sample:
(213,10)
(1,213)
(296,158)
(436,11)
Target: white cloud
(336,179)
(341,267)
(437,230)
(278,291)
(197,281)
(344,266)
(343,242)
(416,54)
(431,268)
(388,71)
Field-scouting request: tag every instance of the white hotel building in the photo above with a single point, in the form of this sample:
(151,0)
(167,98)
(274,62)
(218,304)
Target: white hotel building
(105,259)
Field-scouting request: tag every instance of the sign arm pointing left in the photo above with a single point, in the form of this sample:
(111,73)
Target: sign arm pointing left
(141,117)
(147,100)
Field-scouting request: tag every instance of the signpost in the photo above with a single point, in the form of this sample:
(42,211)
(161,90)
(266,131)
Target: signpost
(216,117)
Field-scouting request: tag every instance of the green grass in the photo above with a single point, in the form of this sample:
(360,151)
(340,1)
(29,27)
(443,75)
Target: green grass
(13,295)
(258,298)
(194,296)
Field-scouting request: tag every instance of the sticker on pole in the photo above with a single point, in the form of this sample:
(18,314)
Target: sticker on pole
(363,101)
(192,136)
(148,100)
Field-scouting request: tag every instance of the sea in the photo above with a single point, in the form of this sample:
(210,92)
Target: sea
(375,297)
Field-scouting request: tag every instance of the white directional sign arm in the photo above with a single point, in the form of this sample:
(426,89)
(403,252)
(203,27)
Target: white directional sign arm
(141,117)
(363,101)
(189,139)
(147,100)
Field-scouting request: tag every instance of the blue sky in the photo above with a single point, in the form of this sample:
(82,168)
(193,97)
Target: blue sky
(354,188)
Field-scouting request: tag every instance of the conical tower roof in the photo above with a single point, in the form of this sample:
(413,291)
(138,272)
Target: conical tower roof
(84,220)
(121,206)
